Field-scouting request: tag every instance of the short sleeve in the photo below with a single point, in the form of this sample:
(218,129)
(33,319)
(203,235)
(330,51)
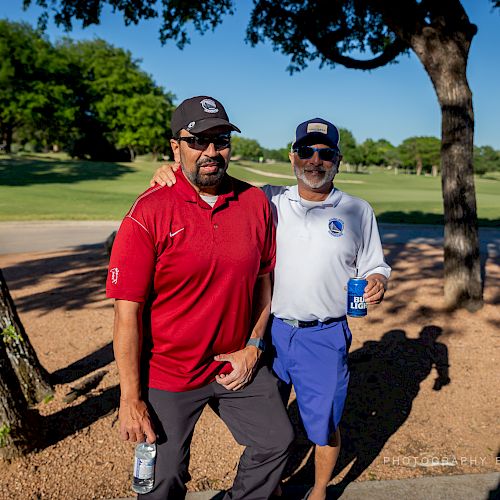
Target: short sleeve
(132,262)
(268,256)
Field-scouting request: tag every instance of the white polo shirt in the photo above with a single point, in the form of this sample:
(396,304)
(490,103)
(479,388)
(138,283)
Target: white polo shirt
(319,247)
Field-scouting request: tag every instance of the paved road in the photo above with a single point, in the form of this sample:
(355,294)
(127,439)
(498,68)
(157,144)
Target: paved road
(40,236)
(43,236)
(457,487)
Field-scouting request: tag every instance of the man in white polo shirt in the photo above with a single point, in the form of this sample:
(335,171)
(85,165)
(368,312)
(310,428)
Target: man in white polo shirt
(324,237)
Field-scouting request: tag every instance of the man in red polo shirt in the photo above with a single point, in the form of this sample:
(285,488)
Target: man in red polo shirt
(190,272)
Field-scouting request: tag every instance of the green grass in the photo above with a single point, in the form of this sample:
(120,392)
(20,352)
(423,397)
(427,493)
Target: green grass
(44,187)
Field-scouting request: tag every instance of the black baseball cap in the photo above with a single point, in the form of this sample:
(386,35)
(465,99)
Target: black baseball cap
(198,114)
(317,131)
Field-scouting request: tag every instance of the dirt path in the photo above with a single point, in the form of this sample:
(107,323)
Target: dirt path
(423,395)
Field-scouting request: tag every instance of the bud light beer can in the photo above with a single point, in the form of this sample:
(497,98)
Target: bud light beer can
(356,305)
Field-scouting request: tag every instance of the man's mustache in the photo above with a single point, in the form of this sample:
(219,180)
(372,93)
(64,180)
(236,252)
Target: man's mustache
(202,162)
(322,170)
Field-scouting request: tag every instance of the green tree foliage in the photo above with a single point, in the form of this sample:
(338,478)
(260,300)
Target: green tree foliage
(349,148)
(33,97)
(280,154)
(120,106)
(421,153)
(247,149)
(89,97)
(486,159)
(380,152)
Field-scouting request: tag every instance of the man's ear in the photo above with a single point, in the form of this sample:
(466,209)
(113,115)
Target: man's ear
(338,162)
(176,149)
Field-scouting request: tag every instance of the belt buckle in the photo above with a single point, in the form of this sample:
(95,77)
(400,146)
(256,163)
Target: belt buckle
(308,324)
(292,322)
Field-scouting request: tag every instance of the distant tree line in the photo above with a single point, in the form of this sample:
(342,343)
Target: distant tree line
(88,98)
(420,154)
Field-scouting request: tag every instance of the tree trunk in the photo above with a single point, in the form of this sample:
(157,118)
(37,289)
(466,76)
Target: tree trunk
(33,378)
(444,56)
(419,165)
(131,152)
(8,139)
(17,422)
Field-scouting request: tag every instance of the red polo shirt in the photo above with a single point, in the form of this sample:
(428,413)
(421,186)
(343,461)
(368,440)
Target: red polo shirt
(195,268)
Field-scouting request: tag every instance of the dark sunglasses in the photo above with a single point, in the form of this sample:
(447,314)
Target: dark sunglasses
(306,152)
(200,142)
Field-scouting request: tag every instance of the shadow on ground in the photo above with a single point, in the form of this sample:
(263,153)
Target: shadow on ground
(385,379)
(78,279)
(94,361)
(26,170)
(72,419)
(419,217)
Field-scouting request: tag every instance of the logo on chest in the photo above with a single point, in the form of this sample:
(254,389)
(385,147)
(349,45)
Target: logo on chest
(336,227)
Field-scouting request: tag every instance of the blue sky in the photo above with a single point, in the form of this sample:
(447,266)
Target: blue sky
(393,102)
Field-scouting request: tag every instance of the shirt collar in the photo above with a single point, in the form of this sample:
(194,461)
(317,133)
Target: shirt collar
(332,199)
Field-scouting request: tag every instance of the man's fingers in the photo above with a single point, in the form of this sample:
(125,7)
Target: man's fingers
(371,285)
(375,298)
(230,377)
(223,357)
(149,431)
(167,173)
(237,384)
(374,289)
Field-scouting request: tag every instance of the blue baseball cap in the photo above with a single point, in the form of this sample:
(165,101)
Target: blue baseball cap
(317,131)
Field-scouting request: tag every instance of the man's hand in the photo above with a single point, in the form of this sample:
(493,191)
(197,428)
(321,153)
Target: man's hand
(135,422)
(165,175)
(375,289)
(244,364)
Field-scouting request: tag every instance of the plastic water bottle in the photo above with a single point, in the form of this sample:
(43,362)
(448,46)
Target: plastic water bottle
(144,467)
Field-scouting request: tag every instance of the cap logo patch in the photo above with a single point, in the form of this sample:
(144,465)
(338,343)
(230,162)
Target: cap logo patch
(190,125)
(321,128)
(209,106)
(336,227)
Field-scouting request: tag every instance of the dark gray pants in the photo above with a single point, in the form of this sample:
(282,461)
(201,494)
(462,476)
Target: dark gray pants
(255,416)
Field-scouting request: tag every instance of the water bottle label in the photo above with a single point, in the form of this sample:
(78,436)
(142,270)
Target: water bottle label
(144,469)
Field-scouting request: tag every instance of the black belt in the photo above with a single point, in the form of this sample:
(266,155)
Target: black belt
(297,323)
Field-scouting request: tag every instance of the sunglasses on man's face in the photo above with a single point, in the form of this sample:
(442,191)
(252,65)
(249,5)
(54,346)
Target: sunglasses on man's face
(306,152)
(200,142)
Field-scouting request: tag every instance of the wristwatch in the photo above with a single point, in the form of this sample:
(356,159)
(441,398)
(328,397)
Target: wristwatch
(258,343)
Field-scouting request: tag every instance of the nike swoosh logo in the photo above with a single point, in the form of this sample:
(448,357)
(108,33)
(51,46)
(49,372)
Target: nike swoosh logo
(178,231)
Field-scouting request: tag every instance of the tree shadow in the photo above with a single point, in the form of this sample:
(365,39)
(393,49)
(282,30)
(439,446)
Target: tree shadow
(78,279)
(84,366)
(411,265)
(419,217)
(30,170)
(72,419)
(385,379)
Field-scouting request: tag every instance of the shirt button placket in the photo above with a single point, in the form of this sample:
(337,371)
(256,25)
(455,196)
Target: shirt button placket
(215,227)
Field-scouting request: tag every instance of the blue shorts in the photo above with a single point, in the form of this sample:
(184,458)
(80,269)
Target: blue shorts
(314,360)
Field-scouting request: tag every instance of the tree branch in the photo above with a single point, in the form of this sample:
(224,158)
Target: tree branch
(332,54)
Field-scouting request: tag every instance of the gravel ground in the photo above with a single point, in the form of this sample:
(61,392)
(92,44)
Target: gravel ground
(403,418)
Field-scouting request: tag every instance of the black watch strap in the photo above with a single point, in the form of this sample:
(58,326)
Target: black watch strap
(259,343)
